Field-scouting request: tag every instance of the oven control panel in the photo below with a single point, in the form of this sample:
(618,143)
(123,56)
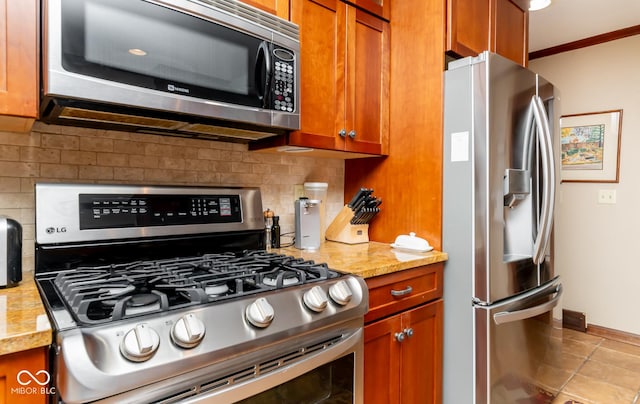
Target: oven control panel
(71,213)
(104,211)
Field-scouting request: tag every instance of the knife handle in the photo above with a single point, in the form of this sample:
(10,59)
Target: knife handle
(357,196)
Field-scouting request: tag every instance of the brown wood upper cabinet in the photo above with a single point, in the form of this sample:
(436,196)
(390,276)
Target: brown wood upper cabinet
(344,83)
(276,7)
(500,26)
(18,65)
(381,8)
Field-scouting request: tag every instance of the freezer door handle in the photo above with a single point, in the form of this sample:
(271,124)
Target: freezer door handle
(511,316)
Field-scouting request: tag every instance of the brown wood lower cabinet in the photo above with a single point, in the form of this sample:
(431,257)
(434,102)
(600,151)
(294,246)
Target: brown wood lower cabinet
(403,351)
(18,387)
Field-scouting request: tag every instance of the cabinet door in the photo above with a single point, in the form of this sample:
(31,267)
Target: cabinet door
(23,389)
(276,7)
(322,60)
(381,8)
(421,363)
(382,361)
(467,26)
(510,29)
(367,123)
(18,65)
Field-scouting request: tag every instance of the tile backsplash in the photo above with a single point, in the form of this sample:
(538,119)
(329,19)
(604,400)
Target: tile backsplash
(52,153)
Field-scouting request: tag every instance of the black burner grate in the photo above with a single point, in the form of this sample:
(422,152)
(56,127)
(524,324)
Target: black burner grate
(98,294)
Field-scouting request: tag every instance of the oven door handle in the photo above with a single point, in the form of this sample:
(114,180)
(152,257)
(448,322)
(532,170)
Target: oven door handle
(512,316)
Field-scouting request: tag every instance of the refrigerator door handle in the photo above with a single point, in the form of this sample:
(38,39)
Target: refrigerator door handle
(518,315)
(549,180)
(527,155)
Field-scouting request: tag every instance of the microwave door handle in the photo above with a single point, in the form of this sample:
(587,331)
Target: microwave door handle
(518,315)
(548,178)
(263,73)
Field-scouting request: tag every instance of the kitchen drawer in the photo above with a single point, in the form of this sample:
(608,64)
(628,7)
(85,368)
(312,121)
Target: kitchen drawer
(389,294)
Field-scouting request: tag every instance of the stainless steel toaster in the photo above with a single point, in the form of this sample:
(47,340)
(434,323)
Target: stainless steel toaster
(10,252)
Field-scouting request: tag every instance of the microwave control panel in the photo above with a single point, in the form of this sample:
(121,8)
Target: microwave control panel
(283,79)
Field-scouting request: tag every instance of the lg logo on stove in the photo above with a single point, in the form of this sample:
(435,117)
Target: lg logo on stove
(53,230)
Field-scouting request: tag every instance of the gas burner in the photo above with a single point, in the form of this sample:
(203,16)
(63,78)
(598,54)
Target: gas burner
(216,290)
(142,303)
(281,278)
(116,291)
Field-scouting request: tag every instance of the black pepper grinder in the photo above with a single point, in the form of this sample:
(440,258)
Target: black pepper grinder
(275,232)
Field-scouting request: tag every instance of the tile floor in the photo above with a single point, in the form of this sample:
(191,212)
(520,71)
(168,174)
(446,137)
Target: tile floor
(592,369)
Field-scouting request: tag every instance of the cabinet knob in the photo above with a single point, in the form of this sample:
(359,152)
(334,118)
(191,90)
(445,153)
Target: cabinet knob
(342,133)
(399,336)
(408,332)
(352,134)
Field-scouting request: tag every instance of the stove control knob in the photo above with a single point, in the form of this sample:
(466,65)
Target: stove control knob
(188,331)
(140,343)
(315,299)
(340,293)
(260,313)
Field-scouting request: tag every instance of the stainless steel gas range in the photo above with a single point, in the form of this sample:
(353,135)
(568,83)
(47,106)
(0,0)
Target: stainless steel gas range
(165,294)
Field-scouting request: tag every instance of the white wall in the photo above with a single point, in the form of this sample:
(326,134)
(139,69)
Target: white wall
(598,246)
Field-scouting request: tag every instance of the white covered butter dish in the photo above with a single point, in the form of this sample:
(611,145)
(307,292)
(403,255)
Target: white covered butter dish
(411,243)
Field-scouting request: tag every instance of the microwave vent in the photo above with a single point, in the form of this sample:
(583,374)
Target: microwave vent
(257,16)
(224,132)
(75,114)
(135,120)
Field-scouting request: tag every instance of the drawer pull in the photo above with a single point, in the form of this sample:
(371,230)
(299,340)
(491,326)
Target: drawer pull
(397,293)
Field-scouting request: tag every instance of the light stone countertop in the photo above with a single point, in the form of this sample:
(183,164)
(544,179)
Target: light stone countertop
(23,322)
(366,259)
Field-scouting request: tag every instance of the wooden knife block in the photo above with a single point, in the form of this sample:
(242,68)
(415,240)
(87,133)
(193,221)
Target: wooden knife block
(343,231)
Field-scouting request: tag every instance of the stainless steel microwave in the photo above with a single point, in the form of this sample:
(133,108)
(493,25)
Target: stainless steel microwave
(198,68)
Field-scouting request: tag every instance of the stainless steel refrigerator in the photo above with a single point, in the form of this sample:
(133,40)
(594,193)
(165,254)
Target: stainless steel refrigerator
(499,186)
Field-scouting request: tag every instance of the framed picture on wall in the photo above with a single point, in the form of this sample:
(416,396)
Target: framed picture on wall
(590,146)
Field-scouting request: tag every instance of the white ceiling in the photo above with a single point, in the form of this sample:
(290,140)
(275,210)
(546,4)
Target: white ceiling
(570,20)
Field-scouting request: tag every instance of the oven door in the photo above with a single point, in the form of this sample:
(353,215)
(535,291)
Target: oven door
(334,374)
(326,366)
(331,382)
